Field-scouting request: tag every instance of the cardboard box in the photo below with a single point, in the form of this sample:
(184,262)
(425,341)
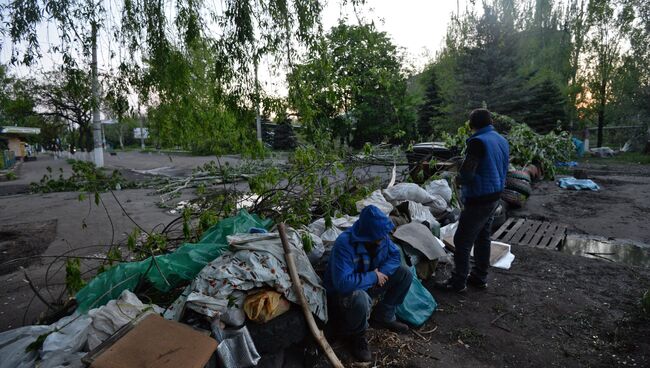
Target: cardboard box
(155,342)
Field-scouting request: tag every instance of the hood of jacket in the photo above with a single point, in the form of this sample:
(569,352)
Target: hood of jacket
(372,225)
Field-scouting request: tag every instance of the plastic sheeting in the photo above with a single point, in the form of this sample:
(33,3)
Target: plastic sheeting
(418,305)
(183,264)
(256,260)
(577,184)
(69,336)
(14,342)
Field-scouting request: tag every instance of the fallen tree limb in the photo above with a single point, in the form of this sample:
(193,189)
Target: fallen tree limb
(297,286)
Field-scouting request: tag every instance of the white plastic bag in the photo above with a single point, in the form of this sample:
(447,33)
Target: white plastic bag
(420,213)
(330,235)
(407,192)
(447,233)
(439,187)
(234,315)
(437,205)
(115,314)
(14,342)
(71,335)
(377,199)
(317,227)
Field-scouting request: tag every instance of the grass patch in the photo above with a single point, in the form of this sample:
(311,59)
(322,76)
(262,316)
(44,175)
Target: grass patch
(621,158)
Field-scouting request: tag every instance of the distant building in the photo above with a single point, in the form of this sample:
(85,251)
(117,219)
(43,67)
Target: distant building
(13,136)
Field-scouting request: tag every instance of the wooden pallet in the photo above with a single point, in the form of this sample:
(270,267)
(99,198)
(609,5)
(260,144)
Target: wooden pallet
(543,234)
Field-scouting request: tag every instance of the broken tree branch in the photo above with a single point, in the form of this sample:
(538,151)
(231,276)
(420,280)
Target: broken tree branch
(297,285)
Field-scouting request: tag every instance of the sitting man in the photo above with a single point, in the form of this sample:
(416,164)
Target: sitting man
(364,264)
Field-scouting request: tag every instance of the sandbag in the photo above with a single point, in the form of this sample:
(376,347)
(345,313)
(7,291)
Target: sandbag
(418,305)
(439,187)
(264,306)
(407,192)
(437,205)
(376,199)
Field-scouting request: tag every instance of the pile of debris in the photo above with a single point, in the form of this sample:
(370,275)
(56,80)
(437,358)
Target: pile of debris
(238,291)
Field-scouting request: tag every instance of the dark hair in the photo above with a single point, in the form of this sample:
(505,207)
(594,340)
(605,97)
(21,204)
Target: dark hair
(480,118)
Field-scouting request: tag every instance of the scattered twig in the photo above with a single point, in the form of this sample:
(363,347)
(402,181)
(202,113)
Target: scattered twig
(499,317)
(421,336)
(36,292)
(430,331)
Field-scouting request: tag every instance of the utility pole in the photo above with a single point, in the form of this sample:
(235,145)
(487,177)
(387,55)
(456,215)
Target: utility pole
(98,151)
(258,118)
(141,119)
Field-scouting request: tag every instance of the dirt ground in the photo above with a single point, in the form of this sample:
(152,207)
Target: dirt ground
(549,309)
(620,209)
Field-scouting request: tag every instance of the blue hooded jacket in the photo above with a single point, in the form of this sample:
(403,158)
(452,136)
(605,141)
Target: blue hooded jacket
(350,267)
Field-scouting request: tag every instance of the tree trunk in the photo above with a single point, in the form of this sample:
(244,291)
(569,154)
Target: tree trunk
(121,137)
(601,112)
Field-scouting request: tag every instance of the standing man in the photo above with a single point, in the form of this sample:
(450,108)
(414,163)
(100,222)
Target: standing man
(482,176)
(366,264)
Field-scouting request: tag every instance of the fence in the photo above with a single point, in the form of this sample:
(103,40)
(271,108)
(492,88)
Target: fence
(7,159)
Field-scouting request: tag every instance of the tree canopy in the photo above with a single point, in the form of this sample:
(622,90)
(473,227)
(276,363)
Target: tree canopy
(353,86)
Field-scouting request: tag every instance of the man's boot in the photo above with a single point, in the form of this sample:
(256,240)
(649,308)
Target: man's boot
(394,325)
(360,348)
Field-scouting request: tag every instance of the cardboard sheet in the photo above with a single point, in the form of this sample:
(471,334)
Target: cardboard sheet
(156,342)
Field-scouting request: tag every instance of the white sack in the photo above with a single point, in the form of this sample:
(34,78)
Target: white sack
(377,199)
(439,187)
(407,192)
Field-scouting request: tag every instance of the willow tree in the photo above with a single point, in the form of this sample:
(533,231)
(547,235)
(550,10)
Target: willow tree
(191,62)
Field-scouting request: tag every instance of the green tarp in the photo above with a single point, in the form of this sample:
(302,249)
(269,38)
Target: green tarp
(182,265)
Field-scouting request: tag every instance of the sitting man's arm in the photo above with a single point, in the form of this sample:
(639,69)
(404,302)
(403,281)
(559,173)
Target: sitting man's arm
(393,261)
(475,152)
(344,275)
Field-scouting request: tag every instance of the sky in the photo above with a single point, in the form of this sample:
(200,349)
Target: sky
(418,26)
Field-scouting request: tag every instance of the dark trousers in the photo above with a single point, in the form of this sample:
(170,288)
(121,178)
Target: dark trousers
(350,312)
(474,229)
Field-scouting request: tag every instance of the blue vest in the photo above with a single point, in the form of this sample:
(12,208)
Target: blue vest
(491,172)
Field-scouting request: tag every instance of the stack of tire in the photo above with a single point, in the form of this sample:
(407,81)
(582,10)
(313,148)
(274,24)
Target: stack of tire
(284,137)
(517,189)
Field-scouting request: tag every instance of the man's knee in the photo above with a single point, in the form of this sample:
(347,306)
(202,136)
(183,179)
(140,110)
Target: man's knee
(358,301)
(403,275)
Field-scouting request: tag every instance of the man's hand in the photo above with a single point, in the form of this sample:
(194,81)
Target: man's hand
(381,278)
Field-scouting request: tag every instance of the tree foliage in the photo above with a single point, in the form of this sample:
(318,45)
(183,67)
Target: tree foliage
(353,86)
(544,61)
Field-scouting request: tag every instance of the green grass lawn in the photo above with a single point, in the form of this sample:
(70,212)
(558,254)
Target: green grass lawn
(621,158)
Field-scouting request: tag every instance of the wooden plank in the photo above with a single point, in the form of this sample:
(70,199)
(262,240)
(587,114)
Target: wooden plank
(534,228)
(507,238)
(503,228)
(539,235)
(559,236)
(547,236)
(519,235)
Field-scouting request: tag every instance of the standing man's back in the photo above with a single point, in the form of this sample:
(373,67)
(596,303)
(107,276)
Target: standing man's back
(482,176)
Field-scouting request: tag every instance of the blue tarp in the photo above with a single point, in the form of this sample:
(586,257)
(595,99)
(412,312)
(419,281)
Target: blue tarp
(577,184)
(566,164)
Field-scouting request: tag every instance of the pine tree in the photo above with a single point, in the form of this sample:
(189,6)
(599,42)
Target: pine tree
(430,108)
(546,107)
